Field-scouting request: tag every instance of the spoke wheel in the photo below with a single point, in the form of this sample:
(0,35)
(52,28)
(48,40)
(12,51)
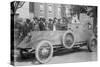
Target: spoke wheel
(68,40)
(92,46)
(44,51)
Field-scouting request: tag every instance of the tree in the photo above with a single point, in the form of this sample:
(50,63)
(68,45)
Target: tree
(77,9)
(15,5)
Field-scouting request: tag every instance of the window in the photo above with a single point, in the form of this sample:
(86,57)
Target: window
(41,7)
(50,8)
(59,12)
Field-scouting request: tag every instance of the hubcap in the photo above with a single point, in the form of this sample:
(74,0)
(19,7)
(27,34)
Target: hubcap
(44,51)
(69,40)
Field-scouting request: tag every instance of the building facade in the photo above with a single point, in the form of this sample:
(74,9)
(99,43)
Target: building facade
(46,10)
(49,10)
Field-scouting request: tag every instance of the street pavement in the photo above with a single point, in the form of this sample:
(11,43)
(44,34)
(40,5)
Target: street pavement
(61,56)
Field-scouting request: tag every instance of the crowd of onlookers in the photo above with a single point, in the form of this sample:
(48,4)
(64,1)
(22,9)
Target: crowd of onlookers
(22,28)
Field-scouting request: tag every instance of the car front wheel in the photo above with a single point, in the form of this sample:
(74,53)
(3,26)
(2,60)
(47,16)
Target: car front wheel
(44,52)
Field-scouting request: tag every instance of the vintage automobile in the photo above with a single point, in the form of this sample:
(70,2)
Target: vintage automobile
(43,43)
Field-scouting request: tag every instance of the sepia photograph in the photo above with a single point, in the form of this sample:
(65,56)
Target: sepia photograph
(52,33)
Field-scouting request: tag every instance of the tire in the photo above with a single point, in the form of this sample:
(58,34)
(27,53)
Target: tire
(92,45)
(68,39)
(44,52)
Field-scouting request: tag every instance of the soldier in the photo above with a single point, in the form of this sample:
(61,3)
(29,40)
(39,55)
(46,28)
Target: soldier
(54,24)
(44,23)
(75,19)
(41,24)
(36,24)
(50,24)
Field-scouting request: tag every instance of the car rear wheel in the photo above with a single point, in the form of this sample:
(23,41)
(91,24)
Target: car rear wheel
(44,52)
(92,45)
